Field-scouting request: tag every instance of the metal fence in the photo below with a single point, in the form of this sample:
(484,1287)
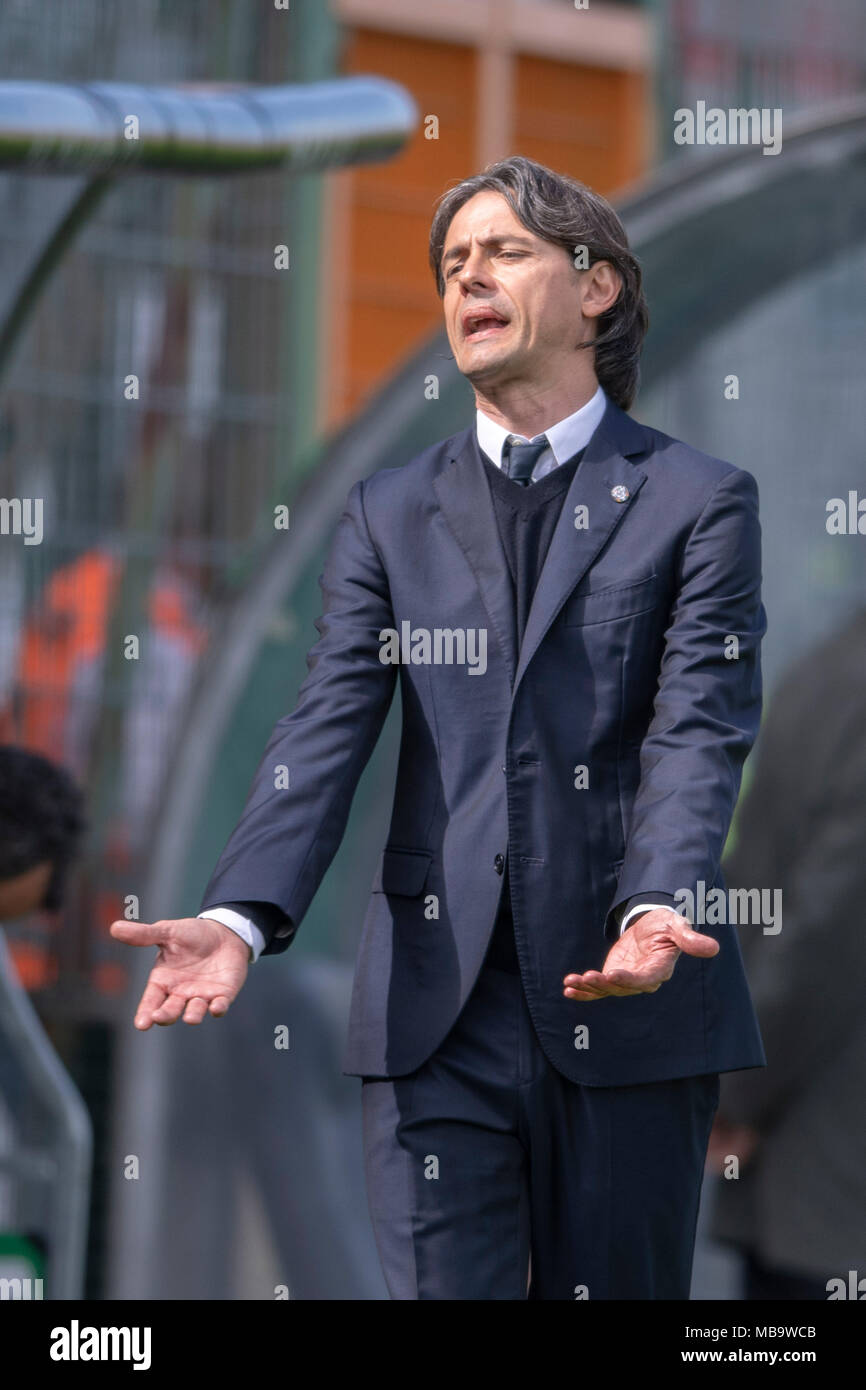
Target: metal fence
(45,1155)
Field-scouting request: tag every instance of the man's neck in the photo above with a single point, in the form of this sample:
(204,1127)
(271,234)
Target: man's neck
(530,413)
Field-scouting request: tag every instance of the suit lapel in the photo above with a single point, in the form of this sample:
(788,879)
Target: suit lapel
(464,496)
(604,466)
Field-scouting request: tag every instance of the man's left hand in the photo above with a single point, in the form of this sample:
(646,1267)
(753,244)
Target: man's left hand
(643,957)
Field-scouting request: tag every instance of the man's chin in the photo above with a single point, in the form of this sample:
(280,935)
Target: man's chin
(485,366)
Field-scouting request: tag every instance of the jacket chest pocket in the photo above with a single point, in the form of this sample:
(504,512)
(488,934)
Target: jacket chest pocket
(589,605)
(402,871)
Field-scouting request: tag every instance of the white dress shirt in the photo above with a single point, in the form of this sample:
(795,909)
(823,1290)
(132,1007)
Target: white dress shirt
(565,439)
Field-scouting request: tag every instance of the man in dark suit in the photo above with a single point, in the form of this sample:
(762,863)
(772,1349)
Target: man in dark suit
(573,603)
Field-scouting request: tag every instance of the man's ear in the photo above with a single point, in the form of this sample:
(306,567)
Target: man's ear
(600,289)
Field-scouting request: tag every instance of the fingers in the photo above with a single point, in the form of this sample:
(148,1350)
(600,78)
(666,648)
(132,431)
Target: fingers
(170,1010)
(624,982)
(693,943)
(592,981)
(162,1007)
(139,933)
(596,985)
(195,1011)
(152,999)
(577,987)
(680,932)
(609,992)
(191,1010)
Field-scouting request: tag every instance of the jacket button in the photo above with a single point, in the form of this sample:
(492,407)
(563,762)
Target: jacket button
(499,863)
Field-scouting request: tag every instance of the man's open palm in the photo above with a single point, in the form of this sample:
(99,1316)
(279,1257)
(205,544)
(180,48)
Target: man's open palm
(199,970)
(643,958)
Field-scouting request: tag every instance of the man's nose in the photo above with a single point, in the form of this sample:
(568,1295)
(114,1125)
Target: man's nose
(475,269)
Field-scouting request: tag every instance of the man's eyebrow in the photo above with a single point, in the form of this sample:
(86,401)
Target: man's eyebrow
(487,241)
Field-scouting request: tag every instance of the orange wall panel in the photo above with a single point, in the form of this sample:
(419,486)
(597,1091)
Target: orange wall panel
(390,303)
(590,122)
(586,122)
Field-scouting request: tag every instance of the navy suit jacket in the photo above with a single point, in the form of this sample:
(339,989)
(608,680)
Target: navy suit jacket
(626,669)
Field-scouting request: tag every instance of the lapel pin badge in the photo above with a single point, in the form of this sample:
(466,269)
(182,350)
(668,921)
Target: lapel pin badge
(620,493)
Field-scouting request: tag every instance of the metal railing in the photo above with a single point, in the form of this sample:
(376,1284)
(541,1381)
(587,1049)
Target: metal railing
(201,127)
(45,1141)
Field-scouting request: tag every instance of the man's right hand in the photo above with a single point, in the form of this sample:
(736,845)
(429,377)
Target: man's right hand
(199,970)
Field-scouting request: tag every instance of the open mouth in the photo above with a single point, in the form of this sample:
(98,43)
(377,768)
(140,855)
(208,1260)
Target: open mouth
(484,324)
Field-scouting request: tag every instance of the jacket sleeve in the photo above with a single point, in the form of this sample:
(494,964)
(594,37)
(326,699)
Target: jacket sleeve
(647,902)
(296,812)
(707,706)
(252,922)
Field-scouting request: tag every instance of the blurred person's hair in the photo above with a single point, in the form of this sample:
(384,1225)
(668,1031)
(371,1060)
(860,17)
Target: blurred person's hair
(41,818)
(564,211)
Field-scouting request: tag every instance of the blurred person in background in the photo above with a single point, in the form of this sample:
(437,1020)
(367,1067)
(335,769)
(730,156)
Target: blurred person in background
(41,825)
(61,684)
(797,1210)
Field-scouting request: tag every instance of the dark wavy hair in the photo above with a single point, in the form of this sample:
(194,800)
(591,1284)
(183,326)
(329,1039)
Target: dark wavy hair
(42,817)
(563,211)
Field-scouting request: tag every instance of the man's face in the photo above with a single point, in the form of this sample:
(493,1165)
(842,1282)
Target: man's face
(513,302)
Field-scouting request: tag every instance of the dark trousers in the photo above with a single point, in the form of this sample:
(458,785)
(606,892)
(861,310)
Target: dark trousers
(492,1176)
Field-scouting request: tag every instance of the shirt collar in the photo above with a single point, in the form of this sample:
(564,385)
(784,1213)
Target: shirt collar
(566,438)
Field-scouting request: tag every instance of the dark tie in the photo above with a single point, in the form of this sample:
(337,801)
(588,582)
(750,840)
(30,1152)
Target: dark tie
(518,460)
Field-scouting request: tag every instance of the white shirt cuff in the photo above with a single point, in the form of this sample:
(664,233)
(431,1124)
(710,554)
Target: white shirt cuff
(244,927)
(635,911)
